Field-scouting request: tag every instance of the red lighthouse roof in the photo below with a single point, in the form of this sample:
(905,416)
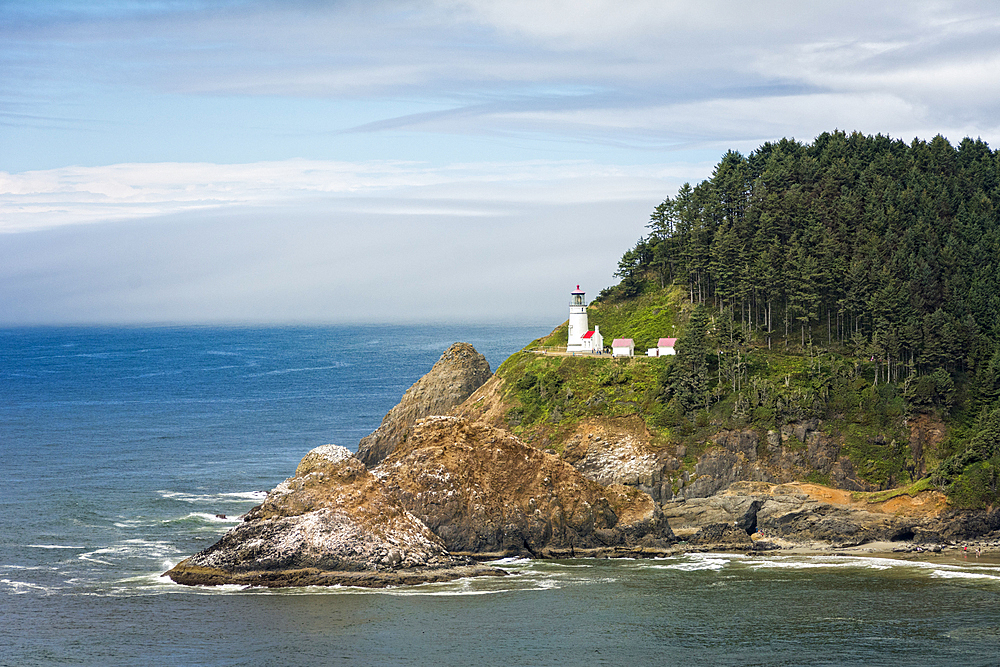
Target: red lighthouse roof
(577,290)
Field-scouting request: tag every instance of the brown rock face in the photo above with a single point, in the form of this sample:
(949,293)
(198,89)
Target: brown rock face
(333,523)
(803,513)
(781,457)
(483,491)
(458,373)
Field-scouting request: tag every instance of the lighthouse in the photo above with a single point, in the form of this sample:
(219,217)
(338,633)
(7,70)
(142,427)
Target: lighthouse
(577,321)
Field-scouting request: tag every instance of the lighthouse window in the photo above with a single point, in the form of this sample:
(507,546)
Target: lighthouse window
(578,300)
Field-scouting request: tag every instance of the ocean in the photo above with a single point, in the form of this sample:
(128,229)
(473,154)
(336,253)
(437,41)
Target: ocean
(125,450)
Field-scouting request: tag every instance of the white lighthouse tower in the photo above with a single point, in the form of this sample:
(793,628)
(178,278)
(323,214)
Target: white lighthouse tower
(577,321)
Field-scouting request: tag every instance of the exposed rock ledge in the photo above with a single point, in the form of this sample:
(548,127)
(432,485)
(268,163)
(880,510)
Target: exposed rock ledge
(808,514)
(333,523)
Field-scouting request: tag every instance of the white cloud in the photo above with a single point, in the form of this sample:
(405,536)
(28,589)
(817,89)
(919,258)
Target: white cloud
(74,195)
(597,75)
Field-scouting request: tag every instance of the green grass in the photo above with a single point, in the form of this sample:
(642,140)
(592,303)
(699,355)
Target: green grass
(645,319)
(553,393)
(911,490)
(816,477)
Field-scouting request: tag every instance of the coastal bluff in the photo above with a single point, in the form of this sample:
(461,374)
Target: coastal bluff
(459,372)
(449,491)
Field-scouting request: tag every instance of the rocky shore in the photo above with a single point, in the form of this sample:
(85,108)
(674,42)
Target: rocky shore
(430,496)
(332,523)
(760,516)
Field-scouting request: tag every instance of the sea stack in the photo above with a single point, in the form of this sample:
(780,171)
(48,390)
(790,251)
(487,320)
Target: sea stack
(459,372)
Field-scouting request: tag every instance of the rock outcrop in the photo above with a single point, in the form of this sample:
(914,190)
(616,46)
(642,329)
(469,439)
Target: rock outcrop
(617,451)
(332,523)
(483,491)
(459,372)
(429,494)
(804,514)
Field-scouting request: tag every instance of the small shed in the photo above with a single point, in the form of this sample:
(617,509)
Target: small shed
(665,346)
(623,347)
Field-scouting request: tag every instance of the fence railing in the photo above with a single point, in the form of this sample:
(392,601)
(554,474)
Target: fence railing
(561,350)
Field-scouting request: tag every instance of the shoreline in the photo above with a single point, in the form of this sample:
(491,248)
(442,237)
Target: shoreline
(989,551)
(947,553)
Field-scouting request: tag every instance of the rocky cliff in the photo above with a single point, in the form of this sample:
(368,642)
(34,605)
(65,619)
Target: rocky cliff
(702,486)
(332,523)
(448,489)
(483,491)
(460,371)
(621,448)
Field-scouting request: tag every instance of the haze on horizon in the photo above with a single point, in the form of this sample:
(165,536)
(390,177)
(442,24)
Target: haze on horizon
(201,161)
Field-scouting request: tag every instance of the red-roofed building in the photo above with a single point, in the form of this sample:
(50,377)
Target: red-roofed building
(664,348)
(593,341)
(623,347)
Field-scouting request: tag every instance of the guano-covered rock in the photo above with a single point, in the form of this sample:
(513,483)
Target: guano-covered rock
(333,523)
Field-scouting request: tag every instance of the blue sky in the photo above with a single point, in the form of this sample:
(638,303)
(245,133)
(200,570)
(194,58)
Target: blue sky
(254,161)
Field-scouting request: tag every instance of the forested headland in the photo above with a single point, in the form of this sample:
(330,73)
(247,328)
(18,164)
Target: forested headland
(853,279)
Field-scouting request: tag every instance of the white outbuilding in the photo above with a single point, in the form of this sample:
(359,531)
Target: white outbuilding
(664,347)
(593,341)
(623,347)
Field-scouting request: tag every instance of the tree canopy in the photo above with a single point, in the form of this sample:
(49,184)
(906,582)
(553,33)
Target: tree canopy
(865,244)
(850,235)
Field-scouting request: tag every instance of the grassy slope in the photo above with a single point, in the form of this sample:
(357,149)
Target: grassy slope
(552,394)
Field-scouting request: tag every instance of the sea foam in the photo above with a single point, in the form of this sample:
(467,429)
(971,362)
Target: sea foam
(208,499)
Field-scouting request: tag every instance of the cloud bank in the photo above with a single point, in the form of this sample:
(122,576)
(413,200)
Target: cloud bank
(311,241)
(37,200)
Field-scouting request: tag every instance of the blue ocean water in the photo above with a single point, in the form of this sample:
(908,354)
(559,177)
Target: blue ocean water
(121,448)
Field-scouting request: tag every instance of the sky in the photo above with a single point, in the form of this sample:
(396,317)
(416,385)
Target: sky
(306,161)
